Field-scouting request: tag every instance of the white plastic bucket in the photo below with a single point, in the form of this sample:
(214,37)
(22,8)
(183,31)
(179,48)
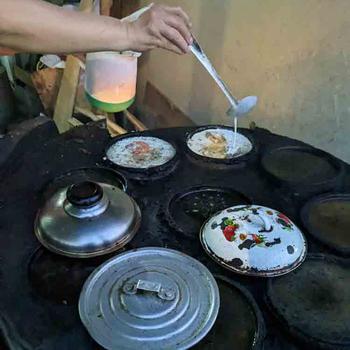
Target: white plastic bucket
(110,80)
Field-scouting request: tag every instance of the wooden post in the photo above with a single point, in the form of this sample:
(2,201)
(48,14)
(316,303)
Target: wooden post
(66,95)
(113,128)
(105,7)
(139,126)
(86,5)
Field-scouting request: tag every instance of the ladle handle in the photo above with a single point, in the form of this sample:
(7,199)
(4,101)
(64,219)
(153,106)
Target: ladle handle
(204,60)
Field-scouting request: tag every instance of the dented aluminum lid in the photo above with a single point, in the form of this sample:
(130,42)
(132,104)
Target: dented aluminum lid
(87,219)
(254,240)
(150,298)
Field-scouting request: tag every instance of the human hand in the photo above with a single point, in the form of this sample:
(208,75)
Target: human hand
(161,27)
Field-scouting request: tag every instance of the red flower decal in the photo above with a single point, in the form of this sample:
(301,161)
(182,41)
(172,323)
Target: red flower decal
(258,238)
(284,218)
(230,232)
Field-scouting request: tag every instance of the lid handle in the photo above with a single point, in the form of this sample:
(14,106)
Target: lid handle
(148,286)
(84,194)
(266,223)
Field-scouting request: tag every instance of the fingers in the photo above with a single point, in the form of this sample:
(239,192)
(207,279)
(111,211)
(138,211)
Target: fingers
(178,11)
(167,45)
(181,27)
(174,37)
(165,27)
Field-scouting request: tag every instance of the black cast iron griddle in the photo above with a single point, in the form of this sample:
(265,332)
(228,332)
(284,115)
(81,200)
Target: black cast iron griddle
(227,161)
(302,169)
(39,290)
(313,302)
(187,211)
(239,324)
(139,173)
(327,218)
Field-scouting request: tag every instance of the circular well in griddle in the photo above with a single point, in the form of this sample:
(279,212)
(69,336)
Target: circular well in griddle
(327,218)
(142,172)
(57,278)
(313,302)
(187,211)
(301,166)
(239,325)
(244,135)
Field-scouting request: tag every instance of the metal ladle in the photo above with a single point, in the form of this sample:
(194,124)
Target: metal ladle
(238,107)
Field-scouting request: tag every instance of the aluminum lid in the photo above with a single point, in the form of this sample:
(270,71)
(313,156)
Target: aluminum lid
(87,219)
(254,240)
(150,298)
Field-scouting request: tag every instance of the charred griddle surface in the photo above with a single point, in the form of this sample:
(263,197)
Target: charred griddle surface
(239,324)
(187,211)
(303,169)
(313,302)
(39,290)
(327,219)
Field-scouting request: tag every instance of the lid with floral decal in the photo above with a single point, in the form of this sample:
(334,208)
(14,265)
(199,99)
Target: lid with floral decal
(254,240)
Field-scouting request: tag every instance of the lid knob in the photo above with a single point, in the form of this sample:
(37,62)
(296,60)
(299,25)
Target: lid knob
(153,287)
(84,194)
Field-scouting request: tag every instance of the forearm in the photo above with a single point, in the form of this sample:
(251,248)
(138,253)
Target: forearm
(36,26)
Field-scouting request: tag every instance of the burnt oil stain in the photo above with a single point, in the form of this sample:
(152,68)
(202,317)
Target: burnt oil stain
(214,225)
(233,210)
(264,230)
(290,249)
(275,241)
(236,262)
(247,244)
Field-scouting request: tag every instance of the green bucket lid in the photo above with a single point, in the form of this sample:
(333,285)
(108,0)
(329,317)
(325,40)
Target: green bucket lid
(109,107)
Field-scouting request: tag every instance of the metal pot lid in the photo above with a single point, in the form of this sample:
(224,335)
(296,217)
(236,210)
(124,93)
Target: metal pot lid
(313,302)
(150,298)
(254,240)
(219,143)
(87,219)
(140,152)
(327,218)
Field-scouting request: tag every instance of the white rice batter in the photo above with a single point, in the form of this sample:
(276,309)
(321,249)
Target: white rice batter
(219,143)
(141,152)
